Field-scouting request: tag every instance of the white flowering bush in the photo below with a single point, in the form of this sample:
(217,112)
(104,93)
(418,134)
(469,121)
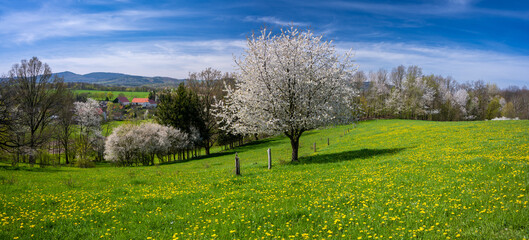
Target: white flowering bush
(134,144)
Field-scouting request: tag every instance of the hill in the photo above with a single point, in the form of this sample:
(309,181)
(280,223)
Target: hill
(118,79)
(387,179)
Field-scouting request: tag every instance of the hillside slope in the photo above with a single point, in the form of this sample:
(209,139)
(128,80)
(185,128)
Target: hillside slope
(118,79)
(382,179)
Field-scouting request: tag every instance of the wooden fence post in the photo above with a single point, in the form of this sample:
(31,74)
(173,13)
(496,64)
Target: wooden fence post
(269,159)
(328,143)
(314,147)
(237,165)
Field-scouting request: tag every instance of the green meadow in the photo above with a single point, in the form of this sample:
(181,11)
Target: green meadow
(385,179)
(101,95)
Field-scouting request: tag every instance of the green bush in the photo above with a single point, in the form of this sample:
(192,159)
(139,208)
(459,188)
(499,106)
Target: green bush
(84,163)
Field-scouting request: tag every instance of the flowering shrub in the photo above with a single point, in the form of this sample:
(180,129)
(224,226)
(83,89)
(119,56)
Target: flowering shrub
(133,144)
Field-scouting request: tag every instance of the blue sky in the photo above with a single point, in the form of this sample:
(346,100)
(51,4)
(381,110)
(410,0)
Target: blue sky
(466,39)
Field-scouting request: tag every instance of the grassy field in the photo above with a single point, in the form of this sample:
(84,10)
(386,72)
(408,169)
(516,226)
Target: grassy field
(108,127)
(390,179)
(98,95)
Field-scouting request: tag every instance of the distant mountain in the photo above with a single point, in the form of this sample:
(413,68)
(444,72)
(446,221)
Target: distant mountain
(118,79)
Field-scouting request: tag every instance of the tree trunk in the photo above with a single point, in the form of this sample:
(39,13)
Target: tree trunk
(294,142)
(32,159)
(58,147)
(66,152)
(207,147)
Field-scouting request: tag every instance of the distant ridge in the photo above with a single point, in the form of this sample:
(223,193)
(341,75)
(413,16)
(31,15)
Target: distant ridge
(118,79)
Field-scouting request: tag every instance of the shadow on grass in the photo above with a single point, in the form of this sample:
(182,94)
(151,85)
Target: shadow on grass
(348,156)
(36,168)
(211,155)
(251,145)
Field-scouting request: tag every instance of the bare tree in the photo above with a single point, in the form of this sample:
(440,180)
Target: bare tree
(65,123)
(397,76)
(6,123)
(208,85)
(38,98)
(359,80)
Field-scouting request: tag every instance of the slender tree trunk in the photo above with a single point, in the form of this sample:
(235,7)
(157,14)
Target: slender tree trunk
(66,152)
(58,145)
(32,159)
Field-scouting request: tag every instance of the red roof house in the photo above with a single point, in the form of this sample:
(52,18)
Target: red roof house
(152,103)
(140,100)
(122,100)
(145,102)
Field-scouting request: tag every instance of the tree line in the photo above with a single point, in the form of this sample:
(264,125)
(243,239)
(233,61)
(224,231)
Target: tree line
(32,102)
(99,87)
(406,93)
(42,121)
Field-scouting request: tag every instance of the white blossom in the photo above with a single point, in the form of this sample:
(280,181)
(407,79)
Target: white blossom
(130,143)
(461,99)
(88,114)
(289,83)
(503,102)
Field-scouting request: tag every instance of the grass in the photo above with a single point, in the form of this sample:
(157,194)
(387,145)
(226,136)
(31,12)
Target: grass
(108,127)
(100,95)
(383,179)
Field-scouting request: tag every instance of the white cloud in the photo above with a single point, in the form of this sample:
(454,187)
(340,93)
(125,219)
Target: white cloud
(30,26)
(154,58)
(444,8)
(274,20)
(178,58)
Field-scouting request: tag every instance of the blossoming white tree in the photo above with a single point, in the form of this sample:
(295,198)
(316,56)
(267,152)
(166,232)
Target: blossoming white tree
(89,116)
(461,98)
(290,83)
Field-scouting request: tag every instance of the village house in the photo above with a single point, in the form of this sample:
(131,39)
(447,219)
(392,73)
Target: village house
(122,100)
(152,103)
(144,102)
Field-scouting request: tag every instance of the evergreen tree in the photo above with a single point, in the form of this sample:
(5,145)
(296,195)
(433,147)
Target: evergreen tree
(179,108)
